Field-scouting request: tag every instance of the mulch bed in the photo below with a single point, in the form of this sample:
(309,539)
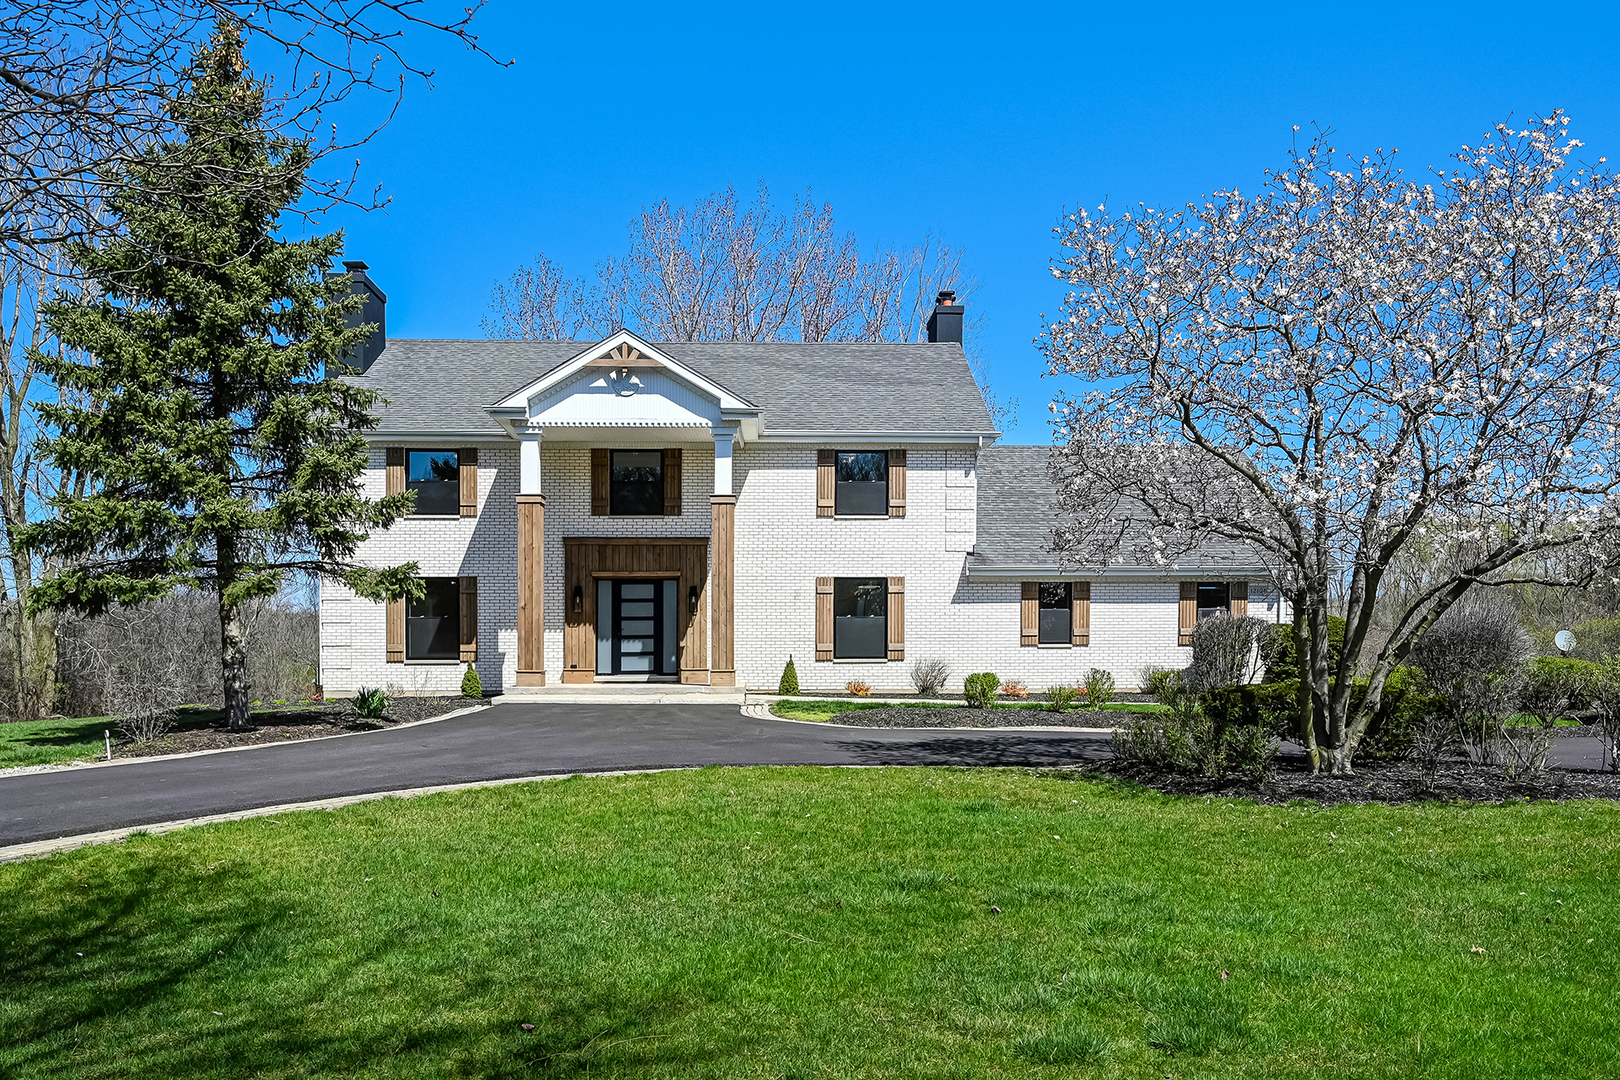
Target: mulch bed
(966,717)
(1373,783)
(285,725)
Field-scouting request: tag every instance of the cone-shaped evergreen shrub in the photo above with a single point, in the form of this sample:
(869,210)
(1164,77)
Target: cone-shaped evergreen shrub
(471,686)
(790,680)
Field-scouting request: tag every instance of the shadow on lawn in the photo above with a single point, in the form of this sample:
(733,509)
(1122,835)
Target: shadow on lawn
(1000,749)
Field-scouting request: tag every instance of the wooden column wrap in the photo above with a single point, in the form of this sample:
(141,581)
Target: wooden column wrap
(468,457)
(824,618)
(672,481)
(1029,614)
(1240,599)
(1189,611)
(394,618)
(600,477)
(394,459)
(723,530)
(897,618)
(589,558)
(531,628)
(1080,622)
(826,477)
(469,618)
(897,483)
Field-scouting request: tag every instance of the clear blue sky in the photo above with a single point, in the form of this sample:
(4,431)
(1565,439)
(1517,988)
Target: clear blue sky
(980,123)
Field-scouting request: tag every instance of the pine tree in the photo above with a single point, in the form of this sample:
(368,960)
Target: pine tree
(218,456)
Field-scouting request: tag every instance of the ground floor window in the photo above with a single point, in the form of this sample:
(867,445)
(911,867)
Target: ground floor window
(433,623)
(1057,613)
(1214,598)
(860,618)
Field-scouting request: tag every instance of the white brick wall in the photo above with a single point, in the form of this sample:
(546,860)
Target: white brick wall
(782,547)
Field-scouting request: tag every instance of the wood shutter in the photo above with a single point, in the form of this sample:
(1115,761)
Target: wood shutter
(469,480)
(1080,620)
(469,619)
(897,618)
(1240,599)
(1188,611)
(897,483)
(600,461)
(1029,614)
(826,475)
(394,456)
(824,618)
(395,618)
(672,481)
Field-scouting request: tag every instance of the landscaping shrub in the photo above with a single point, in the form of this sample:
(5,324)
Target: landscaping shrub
(1557,686)
(980,689)
(1224,651)
(1273,707)
(371,702)
(1154,679)
(858,688)
(471,685)
(1606,700)
(1475,655)
(789,683)
(1061,698)
(1182,737)
(1099,688)
(1278,651)
(928,675)
(1015,688)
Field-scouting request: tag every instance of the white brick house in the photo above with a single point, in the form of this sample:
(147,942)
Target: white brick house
(623,509)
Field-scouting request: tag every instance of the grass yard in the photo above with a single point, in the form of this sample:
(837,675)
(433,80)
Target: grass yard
(48,742)
(825,923)
(826,709)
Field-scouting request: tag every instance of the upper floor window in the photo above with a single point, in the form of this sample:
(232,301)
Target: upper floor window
(435,476)
(637,482)
(1057,613)
(1214,598)
(433,623)
(862,486)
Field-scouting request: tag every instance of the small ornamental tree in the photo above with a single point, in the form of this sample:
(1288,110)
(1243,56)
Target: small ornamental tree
(217,454)
(1387,389)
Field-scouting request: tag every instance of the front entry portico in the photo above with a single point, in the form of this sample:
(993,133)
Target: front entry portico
(675,571)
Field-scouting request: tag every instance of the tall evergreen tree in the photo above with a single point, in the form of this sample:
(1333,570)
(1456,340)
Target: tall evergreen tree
(218,455)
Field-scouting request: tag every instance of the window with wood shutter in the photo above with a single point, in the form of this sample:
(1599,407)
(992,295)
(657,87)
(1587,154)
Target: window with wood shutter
(897,618)
(824,618)
(1188,611)
(897,483)
(1240,599)
(469,481)
(600,459)
(1029,614)
(1080,625)
(826,480)
(394,617)
(394,457)
(469,619)
(672,482)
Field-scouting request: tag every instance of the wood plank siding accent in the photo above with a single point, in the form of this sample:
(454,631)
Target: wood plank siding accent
(601,460)
(394,458)
(394,618)
(672,481)
(826,478)
(586,558)
(1189,611)
(1029,614)
(897,618)
(468,456)
(531,643)
(897,483)
(1080,622)
(1239,596)
(469,618)
(824,618)
(723,533)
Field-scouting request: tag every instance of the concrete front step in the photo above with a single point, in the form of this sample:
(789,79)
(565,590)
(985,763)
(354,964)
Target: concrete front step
(627,693)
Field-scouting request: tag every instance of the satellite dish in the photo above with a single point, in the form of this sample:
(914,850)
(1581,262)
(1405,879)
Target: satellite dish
(1565,641)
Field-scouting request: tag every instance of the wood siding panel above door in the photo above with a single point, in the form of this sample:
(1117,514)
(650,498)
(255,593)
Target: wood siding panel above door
(897,618)
(1080,623)
(826,482)
(394,618)
(1188,611)
(897,483)
(672,481)
(469,481)
(1029,614)
(469,618)
(394,470)
(824,618)
(601,462)
(588,558)
(1239,595)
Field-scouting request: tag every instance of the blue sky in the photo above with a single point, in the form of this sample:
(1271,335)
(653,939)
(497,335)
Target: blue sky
(980,124)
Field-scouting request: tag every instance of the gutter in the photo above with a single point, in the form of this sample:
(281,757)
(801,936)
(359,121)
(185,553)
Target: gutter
(1029,572)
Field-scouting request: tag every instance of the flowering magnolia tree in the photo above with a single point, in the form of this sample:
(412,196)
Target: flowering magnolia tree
(1349,373)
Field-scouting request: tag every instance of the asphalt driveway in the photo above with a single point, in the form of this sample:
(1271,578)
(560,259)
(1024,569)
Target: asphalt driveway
(506,740)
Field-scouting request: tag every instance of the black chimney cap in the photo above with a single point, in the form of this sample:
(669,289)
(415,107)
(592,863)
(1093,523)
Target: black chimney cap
(356,264)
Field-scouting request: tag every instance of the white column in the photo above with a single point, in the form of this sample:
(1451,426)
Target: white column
(722,462)
(529,461)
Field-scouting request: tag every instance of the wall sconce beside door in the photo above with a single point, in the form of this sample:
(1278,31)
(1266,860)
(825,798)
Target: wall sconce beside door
(578,603)
(692,600)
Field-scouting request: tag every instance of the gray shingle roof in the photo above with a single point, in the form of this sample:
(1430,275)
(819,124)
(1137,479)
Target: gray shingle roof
(444,385)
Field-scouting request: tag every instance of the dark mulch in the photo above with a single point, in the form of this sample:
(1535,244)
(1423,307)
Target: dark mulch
(1373,783)
(206,730)
(963,717)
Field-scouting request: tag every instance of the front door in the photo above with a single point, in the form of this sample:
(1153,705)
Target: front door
(636,628)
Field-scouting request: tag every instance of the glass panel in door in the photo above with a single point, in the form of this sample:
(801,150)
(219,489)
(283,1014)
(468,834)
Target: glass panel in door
(635,630)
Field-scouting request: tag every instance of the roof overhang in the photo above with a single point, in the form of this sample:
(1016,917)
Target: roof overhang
(1052,571)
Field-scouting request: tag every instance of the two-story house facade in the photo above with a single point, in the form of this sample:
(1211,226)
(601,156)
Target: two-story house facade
(701,511)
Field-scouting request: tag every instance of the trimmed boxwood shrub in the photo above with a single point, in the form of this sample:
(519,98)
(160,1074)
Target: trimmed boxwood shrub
(1275,708)
(980,689)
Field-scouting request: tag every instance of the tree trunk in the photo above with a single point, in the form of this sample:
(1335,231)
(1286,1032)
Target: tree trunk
(232,640)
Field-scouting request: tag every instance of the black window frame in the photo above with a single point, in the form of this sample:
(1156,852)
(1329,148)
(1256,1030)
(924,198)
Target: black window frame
(620,492)
(854,632)
(1219,593)
(447,492)
(446,624)
(860,498)
(1047,632)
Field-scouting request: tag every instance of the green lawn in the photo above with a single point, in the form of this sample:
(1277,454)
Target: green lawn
(824,923)
(45,742)
(825,709)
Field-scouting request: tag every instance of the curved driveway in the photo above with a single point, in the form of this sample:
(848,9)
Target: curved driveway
(507,740)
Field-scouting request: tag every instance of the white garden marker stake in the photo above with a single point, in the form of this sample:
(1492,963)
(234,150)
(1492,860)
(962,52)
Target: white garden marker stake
(107,735)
